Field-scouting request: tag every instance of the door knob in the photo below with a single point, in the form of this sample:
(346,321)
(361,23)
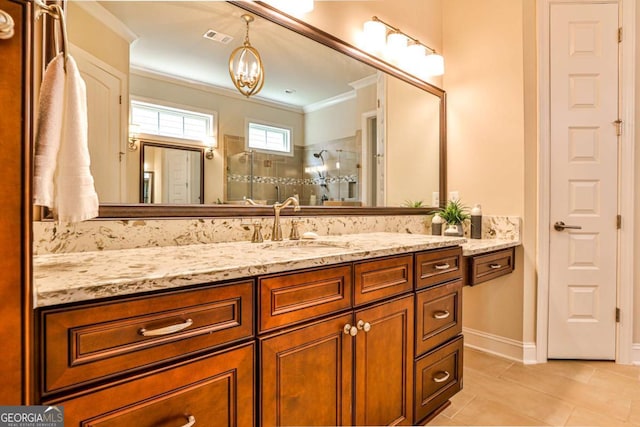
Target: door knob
(560,226)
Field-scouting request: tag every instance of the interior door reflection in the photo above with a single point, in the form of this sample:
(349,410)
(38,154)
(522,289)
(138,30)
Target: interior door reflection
(171,174)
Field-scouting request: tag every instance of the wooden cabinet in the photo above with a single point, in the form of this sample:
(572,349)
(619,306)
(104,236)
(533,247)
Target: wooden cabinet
(481,268)
(438,266)
(148,360)
(286,299)
(312,375)
(353,368)
(16,220)
(438,315)
(383,364)
(382,278)
(347,344)
(306,375)
(438,377)
(438,344)
(216,390)
(84,344)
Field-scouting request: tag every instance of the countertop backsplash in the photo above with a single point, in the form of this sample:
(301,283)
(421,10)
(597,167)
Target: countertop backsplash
(53,238)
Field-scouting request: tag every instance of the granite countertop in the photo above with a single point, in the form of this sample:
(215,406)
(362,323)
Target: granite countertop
(481,246)
(80,276)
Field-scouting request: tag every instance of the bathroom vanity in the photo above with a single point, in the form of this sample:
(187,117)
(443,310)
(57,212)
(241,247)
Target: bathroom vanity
(360,329)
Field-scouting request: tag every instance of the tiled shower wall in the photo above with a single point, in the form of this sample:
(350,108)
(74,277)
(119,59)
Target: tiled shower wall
(266,178)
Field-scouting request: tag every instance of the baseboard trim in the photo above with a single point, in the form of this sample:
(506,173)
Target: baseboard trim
(507,348)
(635,354)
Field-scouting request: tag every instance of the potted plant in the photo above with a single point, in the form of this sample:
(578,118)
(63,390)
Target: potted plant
(454,214)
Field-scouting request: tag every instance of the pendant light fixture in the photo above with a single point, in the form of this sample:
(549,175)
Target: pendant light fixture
(245,65)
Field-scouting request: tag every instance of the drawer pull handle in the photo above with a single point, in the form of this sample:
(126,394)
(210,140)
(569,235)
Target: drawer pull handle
(350,330)
(441,266)
(441,314)
(495,266)
(166,330)
(191,422)
(443,376)
(364,326)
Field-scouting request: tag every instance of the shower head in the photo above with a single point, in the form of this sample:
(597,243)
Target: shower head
(319,154)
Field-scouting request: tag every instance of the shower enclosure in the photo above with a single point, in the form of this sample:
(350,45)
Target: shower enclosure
(315,175)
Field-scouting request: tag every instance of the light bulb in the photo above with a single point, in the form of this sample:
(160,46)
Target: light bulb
(397,47)
(374,36)
(434,64)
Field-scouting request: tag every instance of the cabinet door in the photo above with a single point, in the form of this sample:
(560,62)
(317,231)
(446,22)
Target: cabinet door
(306,375)
(384,364)
(215,391)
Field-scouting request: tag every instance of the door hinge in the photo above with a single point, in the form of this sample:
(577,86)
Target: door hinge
(120,99)
(618,222)
(620,35)
(617,315)
(618,125)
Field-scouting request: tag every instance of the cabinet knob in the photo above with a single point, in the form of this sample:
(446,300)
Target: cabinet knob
(6,25)
(441,266)
(191,421)
(350,330)
(364,326)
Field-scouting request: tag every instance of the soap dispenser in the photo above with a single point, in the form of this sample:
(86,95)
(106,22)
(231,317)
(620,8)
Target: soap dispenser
(436,225)
(476,222)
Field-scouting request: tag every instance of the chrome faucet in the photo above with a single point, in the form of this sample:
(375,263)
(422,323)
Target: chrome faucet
(276,233)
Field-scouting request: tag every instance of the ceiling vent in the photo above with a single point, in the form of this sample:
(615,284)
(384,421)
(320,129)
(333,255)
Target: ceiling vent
(217,36)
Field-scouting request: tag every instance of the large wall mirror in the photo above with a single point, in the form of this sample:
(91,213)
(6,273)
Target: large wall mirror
(366,138)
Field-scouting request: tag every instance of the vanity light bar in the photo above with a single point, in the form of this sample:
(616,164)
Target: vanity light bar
(402,49)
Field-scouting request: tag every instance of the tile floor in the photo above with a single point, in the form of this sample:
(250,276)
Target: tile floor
(499,392)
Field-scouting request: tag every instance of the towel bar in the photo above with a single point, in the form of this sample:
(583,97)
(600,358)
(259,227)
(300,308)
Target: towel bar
(57,13)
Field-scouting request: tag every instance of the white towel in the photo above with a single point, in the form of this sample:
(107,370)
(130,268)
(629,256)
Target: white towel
(62,179)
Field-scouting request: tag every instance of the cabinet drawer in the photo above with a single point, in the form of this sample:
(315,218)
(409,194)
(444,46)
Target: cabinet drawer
(89,343)
(438,266)
(438,315)
(382,278)
(216,390)
(286,299)
(438,377)
(491,265)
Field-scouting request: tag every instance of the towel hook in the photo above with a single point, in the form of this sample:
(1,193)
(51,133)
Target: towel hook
(56,12)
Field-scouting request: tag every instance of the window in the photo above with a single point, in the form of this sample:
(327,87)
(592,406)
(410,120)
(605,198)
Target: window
(171,122)
(269,138)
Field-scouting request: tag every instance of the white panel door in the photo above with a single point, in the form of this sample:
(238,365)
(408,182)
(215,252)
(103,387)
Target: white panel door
(584,170)
(178,171)
(104,113)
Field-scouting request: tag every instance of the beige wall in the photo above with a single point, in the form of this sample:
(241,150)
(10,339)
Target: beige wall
(412,130)
(491,149)
(93,36)
(344,19)
(231,113)
(330,123)
(483,48)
